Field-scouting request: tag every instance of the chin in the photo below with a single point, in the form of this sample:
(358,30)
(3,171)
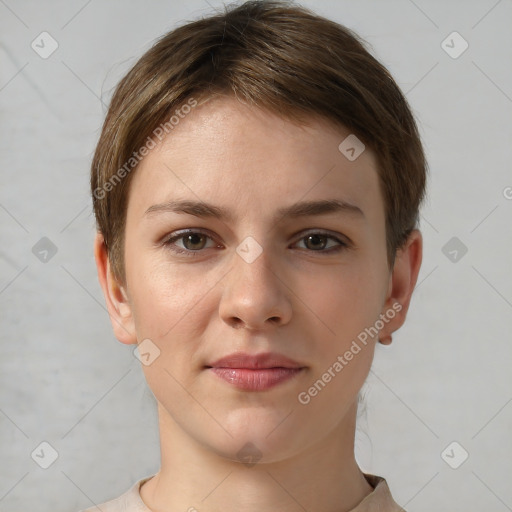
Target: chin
(251,450)
(256,439)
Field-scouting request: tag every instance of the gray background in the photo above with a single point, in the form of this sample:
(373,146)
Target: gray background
(66,380)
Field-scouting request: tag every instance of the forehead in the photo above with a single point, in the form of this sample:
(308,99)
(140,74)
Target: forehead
(242,156)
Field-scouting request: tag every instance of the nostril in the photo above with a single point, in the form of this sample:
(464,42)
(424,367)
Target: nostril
(237,322)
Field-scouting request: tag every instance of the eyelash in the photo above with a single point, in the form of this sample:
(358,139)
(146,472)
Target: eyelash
(169,242)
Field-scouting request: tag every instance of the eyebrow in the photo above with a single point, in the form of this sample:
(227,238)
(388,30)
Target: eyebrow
(300,209)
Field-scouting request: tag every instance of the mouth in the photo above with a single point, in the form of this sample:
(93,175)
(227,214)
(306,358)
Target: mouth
(255,380)
(255,372)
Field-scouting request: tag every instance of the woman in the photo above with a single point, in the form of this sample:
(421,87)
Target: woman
(256,187)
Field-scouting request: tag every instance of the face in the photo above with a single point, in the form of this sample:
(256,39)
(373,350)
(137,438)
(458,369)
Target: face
(266,276)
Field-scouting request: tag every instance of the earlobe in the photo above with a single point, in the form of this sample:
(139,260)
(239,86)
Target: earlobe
(116,298)
(401,285)
(385,340)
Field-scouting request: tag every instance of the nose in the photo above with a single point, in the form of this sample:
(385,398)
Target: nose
(255,295)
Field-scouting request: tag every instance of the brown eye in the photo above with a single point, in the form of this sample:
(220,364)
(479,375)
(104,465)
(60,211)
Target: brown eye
(323,243)
(316,242)
(189,243)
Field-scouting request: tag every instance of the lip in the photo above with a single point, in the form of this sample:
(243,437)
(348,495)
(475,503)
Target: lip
(255,380)
(255,362)
(255,372)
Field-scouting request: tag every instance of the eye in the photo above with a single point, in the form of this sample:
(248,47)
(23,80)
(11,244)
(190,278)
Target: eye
(192,242)
(318,242)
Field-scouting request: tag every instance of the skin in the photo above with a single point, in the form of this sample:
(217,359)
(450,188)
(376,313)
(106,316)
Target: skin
(296,298)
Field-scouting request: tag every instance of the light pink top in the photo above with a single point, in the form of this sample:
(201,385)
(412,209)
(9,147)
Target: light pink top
(379,500)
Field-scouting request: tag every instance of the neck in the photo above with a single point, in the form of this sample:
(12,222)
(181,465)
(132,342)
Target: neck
(324,477)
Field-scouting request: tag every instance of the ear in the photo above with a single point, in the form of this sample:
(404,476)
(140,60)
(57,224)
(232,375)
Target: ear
(116,298)
(401,285)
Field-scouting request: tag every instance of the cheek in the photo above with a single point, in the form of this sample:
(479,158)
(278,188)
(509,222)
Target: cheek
(165,299)
(173,306)
(169,309)
(345,306)
(343,301)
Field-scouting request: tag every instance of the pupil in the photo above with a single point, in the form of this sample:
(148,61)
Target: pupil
(194,236)
(316,239)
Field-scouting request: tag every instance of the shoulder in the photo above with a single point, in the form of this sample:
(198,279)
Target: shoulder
(380,500)
(130,501)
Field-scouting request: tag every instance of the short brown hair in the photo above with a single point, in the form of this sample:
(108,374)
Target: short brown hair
(278,56)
